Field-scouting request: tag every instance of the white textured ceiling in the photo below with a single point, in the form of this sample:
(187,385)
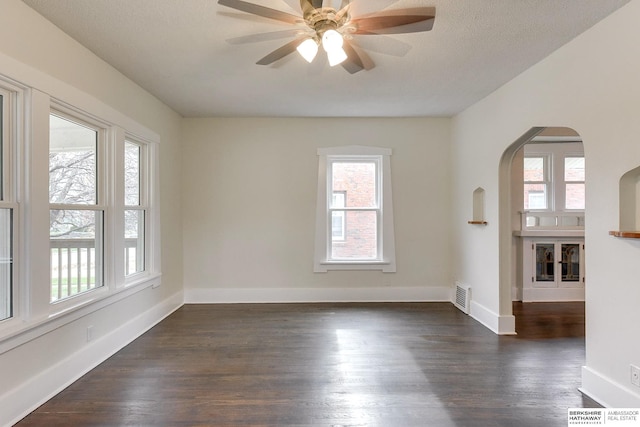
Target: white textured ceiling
(177,50)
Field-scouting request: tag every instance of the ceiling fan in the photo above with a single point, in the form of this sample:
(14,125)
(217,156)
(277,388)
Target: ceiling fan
(334,28)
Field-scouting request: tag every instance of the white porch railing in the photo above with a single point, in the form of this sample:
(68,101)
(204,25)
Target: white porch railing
(75,267)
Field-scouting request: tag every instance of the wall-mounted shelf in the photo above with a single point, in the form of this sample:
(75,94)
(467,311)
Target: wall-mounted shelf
(625,234)
(478,222)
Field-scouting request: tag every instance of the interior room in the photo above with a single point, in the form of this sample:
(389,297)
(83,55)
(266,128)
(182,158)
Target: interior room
(162,158)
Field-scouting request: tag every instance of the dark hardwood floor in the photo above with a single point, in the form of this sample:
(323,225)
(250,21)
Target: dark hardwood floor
(404,364)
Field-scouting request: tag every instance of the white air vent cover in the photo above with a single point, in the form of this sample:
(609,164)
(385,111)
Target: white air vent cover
(462,298)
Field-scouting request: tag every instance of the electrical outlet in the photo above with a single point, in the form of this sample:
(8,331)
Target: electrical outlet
(635,375)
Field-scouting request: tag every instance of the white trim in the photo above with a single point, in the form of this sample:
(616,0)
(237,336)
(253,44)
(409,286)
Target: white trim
(386,261)
(501,325)
(71,96)
(25,332)
(20,401)
(552,294)
(596,386)
(317,295)
(40,95)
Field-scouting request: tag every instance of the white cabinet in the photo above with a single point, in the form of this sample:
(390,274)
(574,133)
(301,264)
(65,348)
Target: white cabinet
(552,269)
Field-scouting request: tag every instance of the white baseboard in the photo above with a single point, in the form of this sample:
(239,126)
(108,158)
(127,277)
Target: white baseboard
(17,403)
(552,294)
(501,325)
(302,295)
(607,392)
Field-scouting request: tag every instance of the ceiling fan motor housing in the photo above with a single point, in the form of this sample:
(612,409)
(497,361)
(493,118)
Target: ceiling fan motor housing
(324,19)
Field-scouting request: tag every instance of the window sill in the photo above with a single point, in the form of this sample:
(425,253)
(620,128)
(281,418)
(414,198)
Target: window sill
(25,332)
(325,266)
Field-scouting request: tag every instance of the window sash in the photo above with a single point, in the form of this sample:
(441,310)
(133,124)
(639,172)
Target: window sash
(573,186)
(73,174)
(78,262)
(341,248)
(135,172)
(536,191)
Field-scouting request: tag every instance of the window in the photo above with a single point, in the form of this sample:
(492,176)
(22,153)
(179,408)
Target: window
(554,182)
(91,188)
(354,222)
(135,207)
(536,183)
(7,207)
(574,187)
(76,206)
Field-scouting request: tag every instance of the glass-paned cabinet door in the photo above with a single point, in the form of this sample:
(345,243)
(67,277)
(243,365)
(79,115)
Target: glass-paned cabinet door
(545,262)
(570,262)
(558,264)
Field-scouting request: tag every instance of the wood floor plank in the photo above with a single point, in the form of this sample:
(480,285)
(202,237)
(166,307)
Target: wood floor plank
(387,364)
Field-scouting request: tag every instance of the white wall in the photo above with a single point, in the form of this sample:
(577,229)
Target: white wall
(37,53)
(249,209)
(590,85)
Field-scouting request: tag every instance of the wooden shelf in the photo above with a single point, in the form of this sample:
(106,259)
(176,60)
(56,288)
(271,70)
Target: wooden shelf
(626,234)
(478,222)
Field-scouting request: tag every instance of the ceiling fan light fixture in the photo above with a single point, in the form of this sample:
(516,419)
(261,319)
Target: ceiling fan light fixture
(336,56)
(332,43)
(308,49)
(332,40)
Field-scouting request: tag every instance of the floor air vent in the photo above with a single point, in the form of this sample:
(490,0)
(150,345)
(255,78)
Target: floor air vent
(462,297)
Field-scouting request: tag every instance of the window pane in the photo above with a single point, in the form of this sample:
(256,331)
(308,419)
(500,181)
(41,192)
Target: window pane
(570,262)
(76,252)
(360,241)
(534,169)
(6,264)
(131,174)
(72,162)
(574,169)
(357,180)
(545,262)
(574,196)
(535,196)
(134,241)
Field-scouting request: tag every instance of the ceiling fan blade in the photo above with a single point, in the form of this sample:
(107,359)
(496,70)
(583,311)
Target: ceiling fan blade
(395,22)
(308,6)
(353,63)
(365,7)
(274,35)
(357,60)
(266,12)
(293,4)
(281,52)
(381,44)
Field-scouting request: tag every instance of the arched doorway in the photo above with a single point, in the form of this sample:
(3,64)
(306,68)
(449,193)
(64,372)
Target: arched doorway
(549,222)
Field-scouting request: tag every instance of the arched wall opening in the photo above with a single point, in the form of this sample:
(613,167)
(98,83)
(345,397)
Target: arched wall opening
(512,217)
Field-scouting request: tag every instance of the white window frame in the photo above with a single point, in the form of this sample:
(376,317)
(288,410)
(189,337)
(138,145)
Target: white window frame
(143,204)
(103,188)
(562,185)
(386,260)
(547,165)
(13,104)
(35,95)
